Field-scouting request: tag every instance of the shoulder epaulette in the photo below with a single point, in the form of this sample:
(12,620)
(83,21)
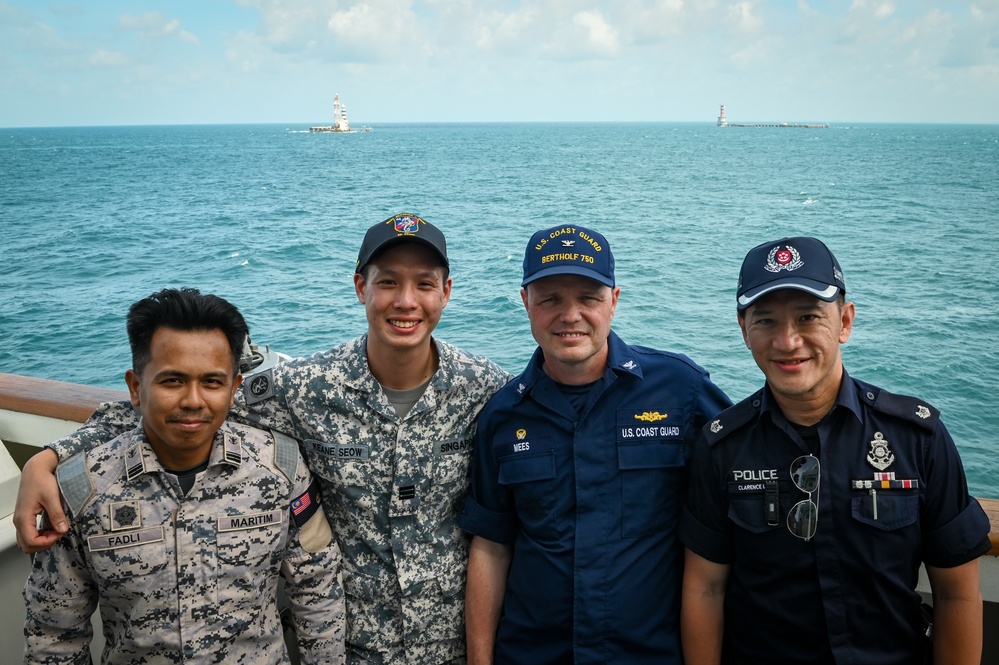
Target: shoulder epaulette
(907,408)
(286,454)
(732,418)
(75,483)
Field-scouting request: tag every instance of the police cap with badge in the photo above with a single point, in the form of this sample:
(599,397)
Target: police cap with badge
(800,263)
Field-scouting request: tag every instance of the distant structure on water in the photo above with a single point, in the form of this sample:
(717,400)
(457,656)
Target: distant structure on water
(723,122)
(340,122)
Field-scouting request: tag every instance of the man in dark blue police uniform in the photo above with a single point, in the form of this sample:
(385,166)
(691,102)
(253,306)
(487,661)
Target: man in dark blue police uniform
(577,478)
(813,502)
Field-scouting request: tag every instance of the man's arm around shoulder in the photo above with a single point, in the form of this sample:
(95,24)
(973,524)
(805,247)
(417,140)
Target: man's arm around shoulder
(488,565)
(39,491)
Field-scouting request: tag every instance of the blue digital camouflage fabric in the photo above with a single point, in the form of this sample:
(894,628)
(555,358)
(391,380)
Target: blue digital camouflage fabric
(188,579)
(392,487)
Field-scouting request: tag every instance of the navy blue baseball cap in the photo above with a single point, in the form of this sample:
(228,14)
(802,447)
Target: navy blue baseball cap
(801,263)
(568,250)
(402,227)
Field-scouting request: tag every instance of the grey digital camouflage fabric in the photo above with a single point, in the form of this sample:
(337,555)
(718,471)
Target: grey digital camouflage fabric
(392,487)
(187,579)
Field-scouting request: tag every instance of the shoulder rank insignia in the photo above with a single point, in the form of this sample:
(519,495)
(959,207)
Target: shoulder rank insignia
(880,456)
(923,411)
(716,426)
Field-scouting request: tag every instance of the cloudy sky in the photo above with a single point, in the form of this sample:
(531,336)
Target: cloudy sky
(118,62)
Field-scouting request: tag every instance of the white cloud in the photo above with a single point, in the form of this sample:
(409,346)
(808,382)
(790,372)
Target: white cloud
(878,9)
(744,17)
(104,58)
(155,25)
(375,30)
(633,58)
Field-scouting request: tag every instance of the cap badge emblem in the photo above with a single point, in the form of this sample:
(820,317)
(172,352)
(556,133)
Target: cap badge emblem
(407,224)
(716,426)
(568,243)
(783,259)
(880,456)
(922,412)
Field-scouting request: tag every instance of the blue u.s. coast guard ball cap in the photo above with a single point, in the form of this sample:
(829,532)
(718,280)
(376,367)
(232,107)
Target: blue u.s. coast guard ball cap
(801,263)
(568,250)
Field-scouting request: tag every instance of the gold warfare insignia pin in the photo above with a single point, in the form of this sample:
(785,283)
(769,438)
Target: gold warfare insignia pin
(651,416)
(521,434)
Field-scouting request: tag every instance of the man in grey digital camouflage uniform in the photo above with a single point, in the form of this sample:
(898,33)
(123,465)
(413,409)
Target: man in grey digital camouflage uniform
(387,422)
(182,526)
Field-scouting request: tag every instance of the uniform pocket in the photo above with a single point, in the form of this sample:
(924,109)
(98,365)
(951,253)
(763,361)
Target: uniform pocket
(248,559)
(893,511)
(749,512)
(252,549)
(135,581)
(650,486)
(530,477)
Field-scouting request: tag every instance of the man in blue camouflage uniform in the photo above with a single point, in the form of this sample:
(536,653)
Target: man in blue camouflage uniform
(814,501)
(387,423)
(182,527)
(578,478)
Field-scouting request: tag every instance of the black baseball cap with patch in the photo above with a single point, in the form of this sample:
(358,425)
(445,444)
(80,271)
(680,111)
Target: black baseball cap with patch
(404,227)
(800,263)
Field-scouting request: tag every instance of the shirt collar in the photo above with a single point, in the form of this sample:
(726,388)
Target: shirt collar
(621,360)
(359,376)
(846,398)
(140,457)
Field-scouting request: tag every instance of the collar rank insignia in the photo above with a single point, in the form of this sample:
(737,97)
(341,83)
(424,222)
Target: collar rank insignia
(716,426)
(521,388)
(880,456)
(922,412)
(124,515)
(628,365)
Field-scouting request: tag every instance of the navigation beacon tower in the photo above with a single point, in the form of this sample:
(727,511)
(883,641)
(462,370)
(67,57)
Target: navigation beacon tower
(722,120)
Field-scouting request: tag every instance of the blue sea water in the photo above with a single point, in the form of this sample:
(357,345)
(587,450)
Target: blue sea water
(271,216)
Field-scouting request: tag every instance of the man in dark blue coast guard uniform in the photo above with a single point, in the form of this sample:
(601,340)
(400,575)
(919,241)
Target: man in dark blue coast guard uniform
(577,478)
(813,502)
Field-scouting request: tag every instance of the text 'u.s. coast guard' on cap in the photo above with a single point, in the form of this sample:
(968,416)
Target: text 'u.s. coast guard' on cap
(568,250)
(801,263)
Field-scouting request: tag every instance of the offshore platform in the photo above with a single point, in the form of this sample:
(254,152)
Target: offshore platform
(723,122)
